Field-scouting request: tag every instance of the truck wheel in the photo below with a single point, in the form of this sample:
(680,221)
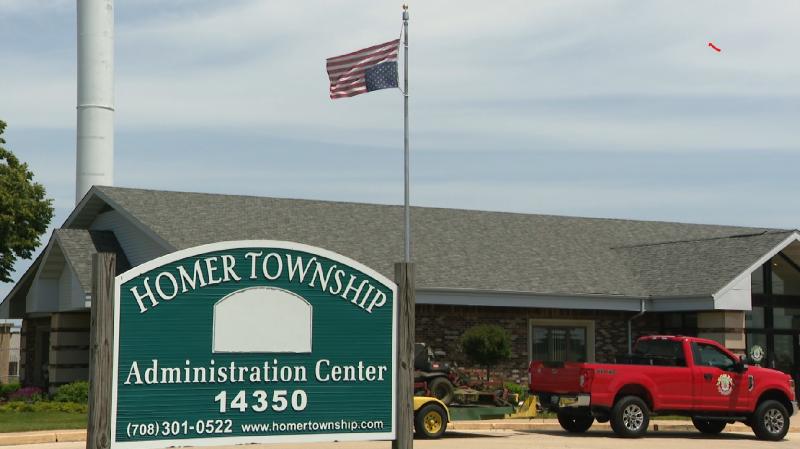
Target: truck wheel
(430,421)
(770,421)
(630,417)
(442,389)
(709,427)
(574,422)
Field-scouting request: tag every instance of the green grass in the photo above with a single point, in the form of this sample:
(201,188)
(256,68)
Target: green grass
(11,421)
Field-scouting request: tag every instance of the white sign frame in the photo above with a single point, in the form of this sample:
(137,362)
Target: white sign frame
(217,441)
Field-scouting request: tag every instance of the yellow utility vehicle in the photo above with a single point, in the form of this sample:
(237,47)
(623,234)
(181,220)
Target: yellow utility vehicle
(430,417)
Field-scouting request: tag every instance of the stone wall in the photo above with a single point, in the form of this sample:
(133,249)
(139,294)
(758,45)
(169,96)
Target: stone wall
(441,328)
(69,348)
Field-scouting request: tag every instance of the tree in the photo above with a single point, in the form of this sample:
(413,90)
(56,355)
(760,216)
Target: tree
(486,344)
(24,211)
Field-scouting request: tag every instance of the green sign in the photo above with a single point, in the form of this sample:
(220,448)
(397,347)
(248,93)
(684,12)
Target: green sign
(252,341)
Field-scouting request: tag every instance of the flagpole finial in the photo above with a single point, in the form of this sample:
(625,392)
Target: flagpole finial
(405,11)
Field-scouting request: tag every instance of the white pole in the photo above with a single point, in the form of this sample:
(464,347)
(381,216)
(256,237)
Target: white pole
(406,208)
(95,140)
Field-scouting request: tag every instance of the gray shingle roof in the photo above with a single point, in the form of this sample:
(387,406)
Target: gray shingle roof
(464,249)
(688,268)
(78,246)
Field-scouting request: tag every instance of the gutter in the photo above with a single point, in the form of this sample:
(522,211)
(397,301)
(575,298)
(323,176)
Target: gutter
(630,326)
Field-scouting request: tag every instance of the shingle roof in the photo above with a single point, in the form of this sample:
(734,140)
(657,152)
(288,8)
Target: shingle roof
(78,246)
(689,268)
(464,249)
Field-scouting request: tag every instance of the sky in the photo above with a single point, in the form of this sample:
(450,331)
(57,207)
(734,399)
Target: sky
(593,108)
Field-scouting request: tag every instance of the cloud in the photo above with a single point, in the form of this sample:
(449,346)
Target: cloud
(621,100)
(33,6)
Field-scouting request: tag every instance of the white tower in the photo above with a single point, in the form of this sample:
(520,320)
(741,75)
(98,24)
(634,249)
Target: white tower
(95,143)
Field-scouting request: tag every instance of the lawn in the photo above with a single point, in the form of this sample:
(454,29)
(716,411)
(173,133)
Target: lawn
(12,421)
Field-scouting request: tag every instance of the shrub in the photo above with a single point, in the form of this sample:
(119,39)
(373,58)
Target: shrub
(27,394)
(486,344)
(17,406)
(77,392)
(7,389)
(67,407)
(515,388)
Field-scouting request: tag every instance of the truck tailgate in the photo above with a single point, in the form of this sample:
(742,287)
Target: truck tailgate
(555,377)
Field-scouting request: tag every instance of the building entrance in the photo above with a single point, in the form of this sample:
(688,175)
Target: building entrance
(773,324)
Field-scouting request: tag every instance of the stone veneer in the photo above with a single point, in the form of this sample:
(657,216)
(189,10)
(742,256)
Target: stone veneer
(441,327)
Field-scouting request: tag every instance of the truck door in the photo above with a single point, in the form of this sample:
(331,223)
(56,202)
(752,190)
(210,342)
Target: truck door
(673,377)
(717,386)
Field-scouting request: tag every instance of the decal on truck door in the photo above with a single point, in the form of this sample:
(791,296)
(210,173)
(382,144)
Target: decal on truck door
(725,384)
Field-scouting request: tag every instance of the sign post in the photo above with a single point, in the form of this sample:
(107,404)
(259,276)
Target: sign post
(404,276)
(98,431)
(254,342)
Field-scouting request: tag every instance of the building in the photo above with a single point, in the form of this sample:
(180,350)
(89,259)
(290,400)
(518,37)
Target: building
(9,353)
(565,287)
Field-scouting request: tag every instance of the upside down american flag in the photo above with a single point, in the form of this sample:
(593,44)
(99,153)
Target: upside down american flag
(365,70)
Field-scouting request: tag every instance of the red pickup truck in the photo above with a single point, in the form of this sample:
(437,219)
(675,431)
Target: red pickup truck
(687,376)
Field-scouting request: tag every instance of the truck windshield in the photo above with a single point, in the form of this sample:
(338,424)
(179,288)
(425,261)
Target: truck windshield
(667,350)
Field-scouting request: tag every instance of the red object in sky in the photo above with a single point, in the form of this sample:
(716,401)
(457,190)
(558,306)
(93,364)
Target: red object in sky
(714,47)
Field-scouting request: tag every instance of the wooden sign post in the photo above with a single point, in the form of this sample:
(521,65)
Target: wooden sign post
(404,277)
(98,432)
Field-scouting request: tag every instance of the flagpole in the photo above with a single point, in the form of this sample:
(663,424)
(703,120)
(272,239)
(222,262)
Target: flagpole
(406,208)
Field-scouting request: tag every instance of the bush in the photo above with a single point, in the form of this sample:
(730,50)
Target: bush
(67,407)
(514,388)
(7,389)
(77,392)
(486,344)
(27,394)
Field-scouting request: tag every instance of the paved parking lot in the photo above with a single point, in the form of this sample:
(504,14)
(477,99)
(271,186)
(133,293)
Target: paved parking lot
(533,440)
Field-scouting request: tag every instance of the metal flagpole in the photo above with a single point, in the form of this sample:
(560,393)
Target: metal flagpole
(407,209)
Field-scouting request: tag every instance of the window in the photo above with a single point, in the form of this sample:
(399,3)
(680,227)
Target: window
(754,319)
(785,318)
(668,352)
(708,355)
(561,340)
(13,368)
(785,276)
(756,339)
(559,344)
(757,281)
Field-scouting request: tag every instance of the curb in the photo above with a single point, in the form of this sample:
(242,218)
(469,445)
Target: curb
(47,436)
(552,425)
(63,436)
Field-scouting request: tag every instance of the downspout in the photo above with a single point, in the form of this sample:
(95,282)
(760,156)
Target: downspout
(630,326)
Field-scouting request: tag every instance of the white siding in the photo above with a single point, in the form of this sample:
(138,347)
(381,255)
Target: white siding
(137,245)
(70,294)
(64,289)
(737,298)
(43,296)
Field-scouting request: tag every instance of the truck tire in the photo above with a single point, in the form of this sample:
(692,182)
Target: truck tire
(709,427)
(442,389)
(770,421)
(575,422)
(630,417)
(430,421)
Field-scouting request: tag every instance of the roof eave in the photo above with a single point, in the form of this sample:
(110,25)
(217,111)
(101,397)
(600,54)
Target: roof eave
(793,237)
